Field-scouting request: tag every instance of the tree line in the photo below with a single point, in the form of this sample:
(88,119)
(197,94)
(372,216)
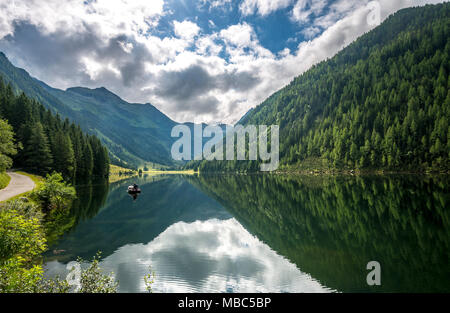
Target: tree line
(381,103)
(47,143)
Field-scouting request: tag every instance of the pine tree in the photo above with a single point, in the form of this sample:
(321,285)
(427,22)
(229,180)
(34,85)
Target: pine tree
(37,152)
(63,155)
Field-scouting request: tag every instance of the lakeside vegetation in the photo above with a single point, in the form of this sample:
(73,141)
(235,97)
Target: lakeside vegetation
(4,180)
(28,226)
(23,230)
(117,173)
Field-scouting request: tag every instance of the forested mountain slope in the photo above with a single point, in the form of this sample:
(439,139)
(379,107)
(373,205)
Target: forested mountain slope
(46,143)
(133,133)
(381,103)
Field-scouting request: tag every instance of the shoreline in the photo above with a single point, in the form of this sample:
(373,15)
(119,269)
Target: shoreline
(331,173)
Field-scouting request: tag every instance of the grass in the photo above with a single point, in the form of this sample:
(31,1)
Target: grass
(4,180)
(117,173)
(186,172)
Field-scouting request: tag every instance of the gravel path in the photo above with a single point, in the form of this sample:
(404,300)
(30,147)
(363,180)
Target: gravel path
(17,185)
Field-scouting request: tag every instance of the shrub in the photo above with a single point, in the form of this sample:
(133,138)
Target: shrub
(54,193)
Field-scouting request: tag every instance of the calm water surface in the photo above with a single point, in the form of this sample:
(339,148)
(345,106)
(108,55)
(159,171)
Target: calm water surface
(262,233)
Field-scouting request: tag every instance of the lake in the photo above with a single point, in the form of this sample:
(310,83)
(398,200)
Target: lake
(262,233)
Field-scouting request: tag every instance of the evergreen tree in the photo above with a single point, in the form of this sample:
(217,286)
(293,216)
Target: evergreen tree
(7,146)
(37,152)
(63,155)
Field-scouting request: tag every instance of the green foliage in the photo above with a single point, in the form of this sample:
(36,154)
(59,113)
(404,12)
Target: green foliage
(63,154)
(149,279)
(15,277)
(7,146)
(4,180)
(47,143)
(21,232)
(37,155)
(92,280)
(54,193)
(22,240)
(24,230)
(381,103)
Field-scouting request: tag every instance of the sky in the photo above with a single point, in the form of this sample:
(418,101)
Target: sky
(195,60)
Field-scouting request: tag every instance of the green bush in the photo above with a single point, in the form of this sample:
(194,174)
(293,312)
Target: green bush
(92,280)
(22,240)
(21,232)
(54,193)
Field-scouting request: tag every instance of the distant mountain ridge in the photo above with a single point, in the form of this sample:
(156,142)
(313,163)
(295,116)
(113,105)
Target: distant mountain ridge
(134,133)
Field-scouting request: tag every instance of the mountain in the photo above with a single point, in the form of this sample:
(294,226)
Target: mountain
(244,117)
(133,133)
(383,102)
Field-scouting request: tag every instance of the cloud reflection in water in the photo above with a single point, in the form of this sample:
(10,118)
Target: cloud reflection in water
(204,256)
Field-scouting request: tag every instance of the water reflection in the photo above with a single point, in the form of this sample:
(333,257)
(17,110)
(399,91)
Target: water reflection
(163,202)
(204,256)
(331,227)
(91,196)
(267,233)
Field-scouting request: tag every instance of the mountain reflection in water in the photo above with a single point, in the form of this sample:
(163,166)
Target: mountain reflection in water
(265,233)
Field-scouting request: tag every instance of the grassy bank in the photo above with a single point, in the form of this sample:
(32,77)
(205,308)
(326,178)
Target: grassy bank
(177,172)
(4,180)
(117,173)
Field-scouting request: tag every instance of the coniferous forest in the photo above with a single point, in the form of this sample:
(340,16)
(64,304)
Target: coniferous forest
(46,143)
(381,103)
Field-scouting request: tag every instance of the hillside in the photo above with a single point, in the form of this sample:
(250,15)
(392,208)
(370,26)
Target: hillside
(134,133)
(34,139)
(381,103)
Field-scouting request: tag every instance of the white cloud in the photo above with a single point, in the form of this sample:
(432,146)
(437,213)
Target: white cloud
(262,7)
(186,29)
(107,17)
(303,9)
(310,32)
(193,76)
(213,4)
(240,35)
(207,45)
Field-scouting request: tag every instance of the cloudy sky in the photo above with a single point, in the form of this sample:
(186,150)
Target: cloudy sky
(195,60)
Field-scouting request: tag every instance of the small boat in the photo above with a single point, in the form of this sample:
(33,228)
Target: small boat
(134,189)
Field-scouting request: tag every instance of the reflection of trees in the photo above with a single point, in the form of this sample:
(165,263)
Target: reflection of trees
(91,196)
(331,227)
(121,221)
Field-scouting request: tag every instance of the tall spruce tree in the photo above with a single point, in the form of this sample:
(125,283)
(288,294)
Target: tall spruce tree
(37,154)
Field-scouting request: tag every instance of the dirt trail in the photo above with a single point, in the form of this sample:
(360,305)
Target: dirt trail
(17,185)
